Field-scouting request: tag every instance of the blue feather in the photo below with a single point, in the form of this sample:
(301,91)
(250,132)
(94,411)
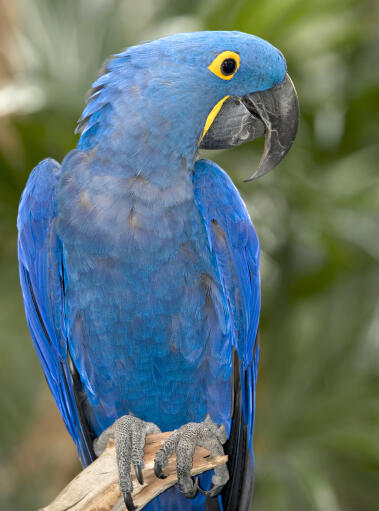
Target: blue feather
(39,253)
(139,265)
(235,244)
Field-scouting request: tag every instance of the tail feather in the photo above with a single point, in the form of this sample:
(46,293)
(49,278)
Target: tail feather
(236,496)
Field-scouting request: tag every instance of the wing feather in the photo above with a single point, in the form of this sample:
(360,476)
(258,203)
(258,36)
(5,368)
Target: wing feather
(42,284)
(234,242)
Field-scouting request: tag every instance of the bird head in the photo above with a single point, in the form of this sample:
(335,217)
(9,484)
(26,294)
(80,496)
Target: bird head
(207,90)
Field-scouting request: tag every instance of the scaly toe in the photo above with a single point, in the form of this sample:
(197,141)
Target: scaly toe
(213,492)
(188,488)
(129,504)
(158,470)
(138,471)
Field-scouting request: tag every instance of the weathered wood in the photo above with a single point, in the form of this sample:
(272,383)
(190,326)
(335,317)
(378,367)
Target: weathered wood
(96,488)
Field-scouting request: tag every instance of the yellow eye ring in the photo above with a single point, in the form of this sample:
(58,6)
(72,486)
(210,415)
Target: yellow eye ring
(225,65)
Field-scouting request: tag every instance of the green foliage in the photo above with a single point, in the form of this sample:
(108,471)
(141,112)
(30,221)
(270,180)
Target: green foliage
(317,442)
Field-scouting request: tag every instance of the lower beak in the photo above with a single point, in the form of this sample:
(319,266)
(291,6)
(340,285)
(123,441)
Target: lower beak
(274,112)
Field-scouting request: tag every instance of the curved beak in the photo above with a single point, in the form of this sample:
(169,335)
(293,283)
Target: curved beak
(274,112)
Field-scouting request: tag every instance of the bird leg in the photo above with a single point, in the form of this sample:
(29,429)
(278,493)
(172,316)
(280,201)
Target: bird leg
(183,441)
(129,433)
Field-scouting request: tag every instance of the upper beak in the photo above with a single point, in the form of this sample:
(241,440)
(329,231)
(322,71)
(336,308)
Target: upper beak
(274,112)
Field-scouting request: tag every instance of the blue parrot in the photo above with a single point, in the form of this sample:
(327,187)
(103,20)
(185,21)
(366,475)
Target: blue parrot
(139,264)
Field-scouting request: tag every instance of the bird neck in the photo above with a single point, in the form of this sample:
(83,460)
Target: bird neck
(142,134)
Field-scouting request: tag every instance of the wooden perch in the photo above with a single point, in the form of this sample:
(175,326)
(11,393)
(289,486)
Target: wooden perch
(96,488)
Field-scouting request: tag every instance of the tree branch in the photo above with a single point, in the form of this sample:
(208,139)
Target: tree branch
(96,488)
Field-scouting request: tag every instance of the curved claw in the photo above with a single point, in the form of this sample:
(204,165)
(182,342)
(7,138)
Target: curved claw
(193,492)
(138,471)
(158,471)
(213,492)
(129,504)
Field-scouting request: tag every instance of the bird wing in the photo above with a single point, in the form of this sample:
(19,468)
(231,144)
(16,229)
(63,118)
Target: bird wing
(234,242)
(42,282)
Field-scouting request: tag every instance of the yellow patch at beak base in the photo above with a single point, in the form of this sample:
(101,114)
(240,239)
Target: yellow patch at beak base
(212,115)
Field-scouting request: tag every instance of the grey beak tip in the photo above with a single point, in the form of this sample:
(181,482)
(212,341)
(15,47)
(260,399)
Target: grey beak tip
(279,110)
(262,169)
(253,177)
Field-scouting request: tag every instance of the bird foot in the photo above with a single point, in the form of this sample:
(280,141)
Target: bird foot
(129,433)
(183,441)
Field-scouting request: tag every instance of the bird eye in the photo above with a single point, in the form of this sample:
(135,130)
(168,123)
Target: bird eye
(225,65)
(228,66)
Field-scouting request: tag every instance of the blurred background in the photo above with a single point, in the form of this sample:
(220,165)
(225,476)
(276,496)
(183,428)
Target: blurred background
(317,427)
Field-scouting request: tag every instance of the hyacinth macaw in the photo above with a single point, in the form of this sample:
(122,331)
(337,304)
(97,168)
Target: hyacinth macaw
(139,264)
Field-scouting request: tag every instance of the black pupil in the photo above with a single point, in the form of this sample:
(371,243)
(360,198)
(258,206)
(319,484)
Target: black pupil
(228,66)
